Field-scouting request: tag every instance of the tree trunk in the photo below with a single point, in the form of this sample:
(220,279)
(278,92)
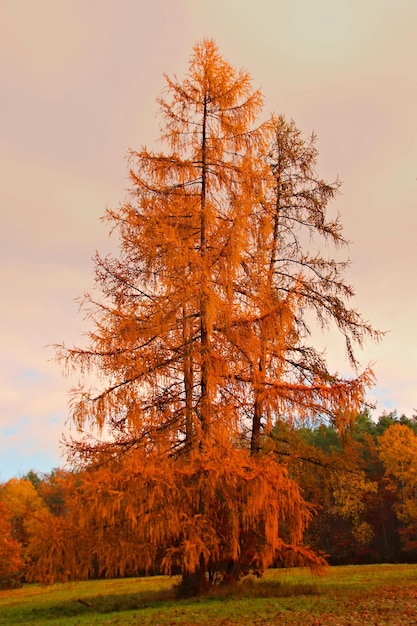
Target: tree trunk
(193,584)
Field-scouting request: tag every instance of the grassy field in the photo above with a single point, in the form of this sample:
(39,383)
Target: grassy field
(378,595)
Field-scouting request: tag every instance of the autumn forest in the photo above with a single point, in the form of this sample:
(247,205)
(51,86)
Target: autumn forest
(211,438)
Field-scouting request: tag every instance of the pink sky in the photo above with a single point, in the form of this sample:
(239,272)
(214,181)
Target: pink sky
(78,82)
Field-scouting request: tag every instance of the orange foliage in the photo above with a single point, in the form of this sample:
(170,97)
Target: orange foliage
(11,554)
(201,341)
(398,452)
(20,504)
(224,508)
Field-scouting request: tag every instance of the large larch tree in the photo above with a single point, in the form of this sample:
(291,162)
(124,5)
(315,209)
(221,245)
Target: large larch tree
(200,343)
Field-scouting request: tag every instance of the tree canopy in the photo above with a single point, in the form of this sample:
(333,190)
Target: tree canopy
(201,344)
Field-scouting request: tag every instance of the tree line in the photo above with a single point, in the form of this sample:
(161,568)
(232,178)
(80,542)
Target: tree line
(200,366)
(360,488)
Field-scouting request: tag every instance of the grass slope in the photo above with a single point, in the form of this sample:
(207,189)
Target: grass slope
(377,595)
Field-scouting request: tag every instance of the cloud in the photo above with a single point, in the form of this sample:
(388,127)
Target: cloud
(30,445)
(50,211)
(320,24)
(47,45)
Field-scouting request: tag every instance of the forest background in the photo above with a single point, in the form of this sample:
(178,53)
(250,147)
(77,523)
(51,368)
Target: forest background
(362,485)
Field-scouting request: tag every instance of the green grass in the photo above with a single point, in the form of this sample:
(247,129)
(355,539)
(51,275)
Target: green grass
(377,595)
